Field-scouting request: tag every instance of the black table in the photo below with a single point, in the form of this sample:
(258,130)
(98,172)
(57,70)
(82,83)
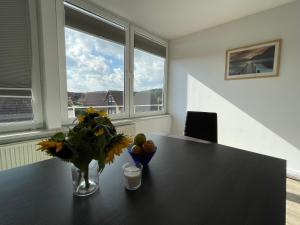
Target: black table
(188,183)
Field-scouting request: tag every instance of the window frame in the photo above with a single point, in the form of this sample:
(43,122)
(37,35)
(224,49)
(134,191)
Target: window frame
(130,29)
(62,55)
(135,29)
(37,109)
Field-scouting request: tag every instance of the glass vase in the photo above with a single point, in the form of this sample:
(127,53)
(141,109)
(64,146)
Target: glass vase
(85,184)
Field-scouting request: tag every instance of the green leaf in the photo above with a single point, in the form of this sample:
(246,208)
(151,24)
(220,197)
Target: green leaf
(60,136)
(101,159)
(99,153)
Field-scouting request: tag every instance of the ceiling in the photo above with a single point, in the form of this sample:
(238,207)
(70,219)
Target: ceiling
(171,19)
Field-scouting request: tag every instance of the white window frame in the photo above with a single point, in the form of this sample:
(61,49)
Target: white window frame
(62,55)
(134,29)
(128,58)
(37,121)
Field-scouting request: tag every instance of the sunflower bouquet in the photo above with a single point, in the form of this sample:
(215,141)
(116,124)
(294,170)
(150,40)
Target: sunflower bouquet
(93,137)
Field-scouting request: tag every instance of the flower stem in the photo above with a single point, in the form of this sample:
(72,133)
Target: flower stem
(86,179)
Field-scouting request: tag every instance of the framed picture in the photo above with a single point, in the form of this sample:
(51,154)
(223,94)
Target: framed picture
(255,61)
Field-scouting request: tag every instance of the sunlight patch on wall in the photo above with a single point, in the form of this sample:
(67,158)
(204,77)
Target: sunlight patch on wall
(236,128)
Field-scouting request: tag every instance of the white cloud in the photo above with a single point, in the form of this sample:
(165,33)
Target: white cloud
(91,63)
(95,64)
(148,71)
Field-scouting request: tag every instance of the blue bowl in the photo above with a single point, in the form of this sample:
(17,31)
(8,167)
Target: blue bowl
(144,158)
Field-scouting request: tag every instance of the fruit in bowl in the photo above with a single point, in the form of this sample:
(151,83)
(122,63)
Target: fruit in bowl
(137,150)
(148,146)
(140,139)
(142,150)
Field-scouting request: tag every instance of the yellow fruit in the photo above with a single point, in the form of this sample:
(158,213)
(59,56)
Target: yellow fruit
(137,150)
(139,139)
(149,146)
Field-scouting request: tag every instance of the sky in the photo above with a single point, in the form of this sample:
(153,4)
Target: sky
(95,64)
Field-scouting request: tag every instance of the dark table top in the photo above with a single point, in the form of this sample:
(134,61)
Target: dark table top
(187,183)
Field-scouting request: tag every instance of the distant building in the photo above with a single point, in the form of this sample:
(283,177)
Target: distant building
(112,101)
(115,98)
(148,100)
(75,98)
(96,98)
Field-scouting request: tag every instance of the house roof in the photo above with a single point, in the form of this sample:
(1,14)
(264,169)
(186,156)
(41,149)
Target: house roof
(96,98)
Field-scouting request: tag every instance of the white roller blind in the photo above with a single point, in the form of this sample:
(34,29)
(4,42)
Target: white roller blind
(15,61)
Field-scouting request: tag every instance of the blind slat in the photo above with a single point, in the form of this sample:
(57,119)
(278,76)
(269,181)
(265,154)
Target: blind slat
(14,92)
(15,45)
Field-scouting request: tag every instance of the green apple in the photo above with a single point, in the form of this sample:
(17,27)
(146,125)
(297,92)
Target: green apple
(140,139)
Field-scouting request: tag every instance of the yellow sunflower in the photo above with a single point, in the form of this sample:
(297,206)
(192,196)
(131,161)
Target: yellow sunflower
(81,118)
(46,145)
(91,110)
(117,149)
(99,132)
(102,113)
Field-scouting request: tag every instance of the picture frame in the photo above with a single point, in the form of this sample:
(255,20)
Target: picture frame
(253,61)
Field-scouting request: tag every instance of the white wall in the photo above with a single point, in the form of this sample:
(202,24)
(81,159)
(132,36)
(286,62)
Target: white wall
(153,124)
(260,115)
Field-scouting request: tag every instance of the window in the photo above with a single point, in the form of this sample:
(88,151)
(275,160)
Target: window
(16,105)
(95,61)
(149,75)
(17,65)
(105,71)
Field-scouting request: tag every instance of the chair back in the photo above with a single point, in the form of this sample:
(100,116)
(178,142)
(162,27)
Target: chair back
(202,125)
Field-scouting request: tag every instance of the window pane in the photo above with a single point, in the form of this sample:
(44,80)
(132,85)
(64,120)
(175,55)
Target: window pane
(95,73)
(14,109)
(15,62)
(149,71)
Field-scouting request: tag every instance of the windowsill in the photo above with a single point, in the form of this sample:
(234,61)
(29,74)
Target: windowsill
(39,134)
(27,135)
(150,117)
(123,122)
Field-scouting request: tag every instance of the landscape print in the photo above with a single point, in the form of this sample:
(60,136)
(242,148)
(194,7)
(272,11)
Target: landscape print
(255,61)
